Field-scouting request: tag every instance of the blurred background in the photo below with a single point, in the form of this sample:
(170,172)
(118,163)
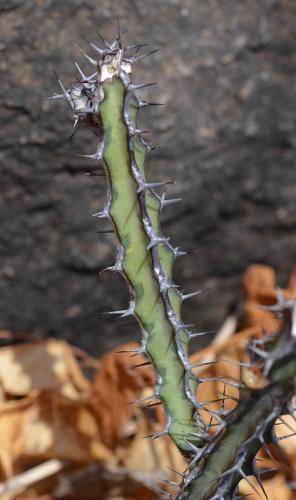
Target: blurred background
(226,73)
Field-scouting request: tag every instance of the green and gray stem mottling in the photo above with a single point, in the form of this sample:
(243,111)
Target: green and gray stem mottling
(107,103)
(231,454)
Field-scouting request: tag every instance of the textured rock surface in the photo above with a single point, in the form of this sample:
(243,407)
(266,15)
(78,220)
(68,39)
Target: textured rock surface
(227,74)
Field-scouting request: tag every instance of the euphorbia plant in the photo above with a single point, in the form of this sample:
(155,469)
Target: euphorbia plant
(107,101)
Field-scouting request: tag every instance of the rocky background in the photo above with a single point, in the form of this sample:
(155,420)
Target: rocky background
(226,72)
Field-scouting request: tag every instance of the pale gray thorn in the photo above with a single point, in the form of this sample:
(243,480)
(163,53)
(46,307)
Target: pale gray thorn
(245,477)
(169,482)
(115,269)
(136,59)
(194,448)
(55,96)
(136,47)
(236,363)
(123,313)
(168,286)
(189,295)
(130,311)
(97,49)
(280,297)
(184,325)
(80,71)
(91,157)
(230,471)
(238,385)
(145,104)
(104,214)
(65,92)
(111,269)
(149,185)
(169,201)
(200,334)
(133,86)
(133,131)
(90,59)
(198,454)
(259,352)
(98,155)
(156,241)
(119,311)
(203,363)
(178,253)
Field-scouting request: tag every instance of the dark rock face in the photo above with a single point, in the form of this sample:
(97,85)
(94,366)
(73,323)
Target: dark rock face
(227,74)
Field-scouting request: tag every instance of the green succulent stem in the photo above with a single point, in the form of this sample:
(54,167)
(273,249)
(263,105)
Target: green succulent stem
(248,427)
(138,267)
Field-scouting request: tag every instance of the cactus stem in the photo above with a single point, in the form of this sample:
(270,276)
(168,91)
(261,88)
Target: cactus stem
(106,104)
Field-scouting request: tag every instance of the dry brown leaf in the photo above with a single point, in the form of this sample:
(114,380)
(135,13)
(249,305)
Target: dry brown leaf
(259,284)
(14,418)
(291,290)
(285,430)
(150,455)
(116,385)
(276,488)
(47,425)
(259,289)
(46,364)
(64,429)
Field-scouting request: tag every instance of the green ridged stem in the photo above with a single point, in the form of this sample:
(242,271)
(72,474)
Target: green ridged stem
(255,408)
(138,270)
